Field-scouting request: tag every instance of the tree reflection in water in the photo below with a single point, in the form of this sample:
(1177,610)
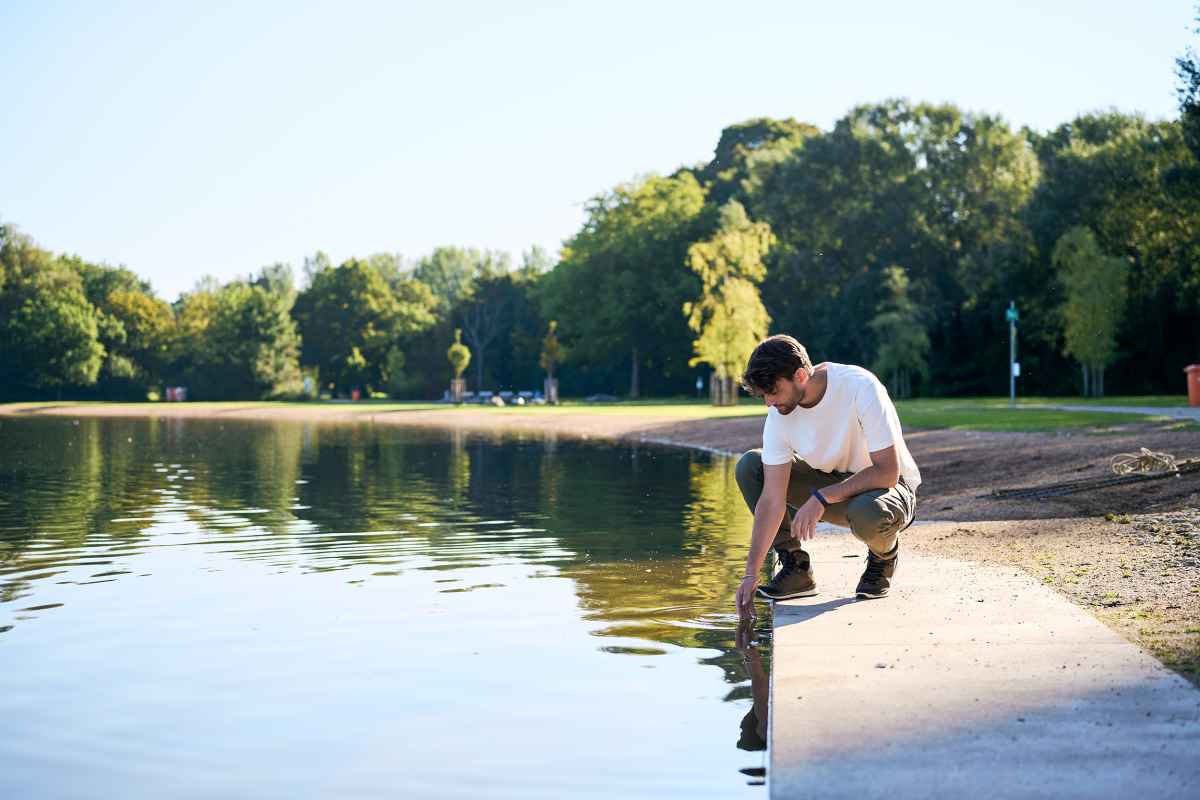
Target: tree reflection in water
(653,541)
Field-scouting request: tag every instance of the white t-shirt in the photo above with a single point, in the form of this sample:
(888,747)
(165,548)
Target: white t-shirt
(854,418)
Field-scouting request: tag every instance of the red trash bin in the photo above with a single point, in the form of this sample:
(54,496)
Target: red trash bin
(355,393)
(1193,379)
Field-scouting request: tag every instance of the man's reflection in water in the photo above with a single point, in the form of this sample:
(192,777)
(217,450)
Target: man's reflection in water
(754,725)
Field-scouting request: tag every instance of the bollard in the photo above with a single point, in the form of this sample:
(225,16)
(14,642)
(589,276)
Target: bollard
(1193,384)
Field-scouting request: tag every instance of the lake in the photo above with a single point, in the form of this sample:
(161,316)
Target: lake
(206,608)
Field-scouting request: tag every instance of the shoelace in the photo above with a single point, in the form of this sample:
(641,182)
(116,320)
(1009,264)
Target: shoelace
(789,564)
(874,569)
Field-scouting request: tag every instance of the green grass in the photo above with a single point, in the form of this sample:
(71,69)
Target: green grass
(975,413)
(993,414)
(1154,400)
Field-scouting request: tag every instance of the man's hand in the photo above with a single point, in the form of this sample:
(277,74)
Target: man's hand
(804,521)
(745,597)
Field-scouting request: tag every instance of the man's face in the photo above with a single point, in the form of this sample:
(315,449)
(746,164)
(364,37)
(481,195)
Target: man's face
(788,392)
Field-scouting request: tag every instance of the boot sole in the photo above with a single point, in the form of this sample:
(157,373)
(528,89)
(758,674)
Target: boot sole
(869,596)
(809,593)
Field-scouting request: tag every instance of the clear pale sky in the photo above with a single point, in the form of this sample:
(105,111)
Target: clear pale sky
(183,139)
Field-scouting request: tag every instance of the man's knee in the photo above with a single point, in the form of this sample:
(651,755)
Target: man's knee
(870,516)
(749,467)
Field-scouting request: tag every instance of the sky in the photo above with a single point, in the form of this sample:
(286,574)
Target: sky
(191,139)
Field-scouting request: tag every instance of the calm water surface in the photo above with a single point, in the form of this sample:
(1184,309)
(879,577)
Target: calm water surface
(203,609)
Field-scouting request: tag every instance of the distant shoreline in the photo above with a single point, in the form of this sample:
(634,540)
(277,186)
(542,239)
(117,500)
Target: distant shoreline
(951,490)
(1130,572)
(723,435)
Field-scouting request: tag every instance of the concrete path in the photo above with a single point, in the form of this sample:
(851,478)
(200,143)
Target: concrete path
(1174,412)
(967,680)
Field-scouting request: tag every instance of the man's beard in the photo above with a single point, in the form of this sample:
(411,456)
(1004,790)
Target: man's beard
(788,408)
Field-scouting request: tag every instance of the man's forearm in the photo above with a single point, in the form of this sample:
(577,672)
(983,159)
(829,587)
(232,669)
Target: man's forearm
(872,477)
(767,517)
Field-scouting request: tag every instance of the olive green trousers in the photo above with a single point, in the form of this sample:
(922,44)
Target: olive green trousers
(876,516)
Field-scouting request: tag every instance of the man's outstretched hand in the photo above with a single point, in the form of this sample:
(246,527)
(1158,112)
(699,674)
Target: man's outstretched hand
(804,521)
(745,597)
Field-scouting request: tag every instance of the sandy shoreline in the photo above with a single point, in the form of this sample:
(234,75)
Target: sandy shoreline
(582,425)
(958,468)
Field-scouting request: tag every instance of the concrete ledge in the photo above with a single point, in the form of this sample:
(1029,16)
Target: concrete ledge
(967,679)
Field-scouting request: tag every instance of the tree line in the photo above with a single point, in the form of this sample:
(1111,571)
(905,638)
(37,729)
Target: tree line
(72,328)
(896,239)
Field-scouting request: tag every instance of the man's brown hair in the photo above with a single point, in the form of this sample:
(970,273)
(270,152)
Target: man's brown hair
(775,357)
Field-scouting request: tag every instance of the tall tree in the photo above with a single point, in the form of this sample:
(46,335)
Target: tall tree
(621,276)
(148,325)
(134,326)
(451,273)
(896,183)
(728,315)
(1109,172)
(744,148)
(49,337)
(350,318)
(238,341)
(903,343)
(1095,289)
(485,314)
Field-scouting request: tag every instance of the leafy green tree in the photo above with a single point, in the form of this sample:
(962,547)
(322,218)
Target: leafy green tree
(1095,289)
(728,315)
(619,275)
(459,355)
(517,363)
(194,312)
(744,148)
(451,272)
(148,324)
(101,280)
(485,314)
(135,327)
(393,374)
(391,266)
(238,341)
(926,185)
(506,344)
(1109,172)
(350,318)
(463,282)
(49,333)
(903,343)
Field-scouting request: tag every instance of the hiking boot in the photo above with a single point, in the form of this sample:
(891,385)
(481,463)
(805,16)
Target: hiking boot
(877,577)
(794,578)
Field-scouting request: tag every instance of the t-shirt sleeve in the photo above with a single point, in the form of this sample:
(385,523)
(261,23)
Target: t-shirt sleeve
(775,448)
(877,415)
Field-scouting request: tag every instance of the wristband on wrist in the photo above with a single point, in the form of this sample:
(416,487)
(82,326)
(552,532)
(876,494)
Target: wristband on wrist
(820,498)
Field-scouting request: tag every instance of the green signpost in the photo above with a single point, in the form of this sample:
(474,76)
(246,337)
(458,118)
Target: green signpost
(1014,369)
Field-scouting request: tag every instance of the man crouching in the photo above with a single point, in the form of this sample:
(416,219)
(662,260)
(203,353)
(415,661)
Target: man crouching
(832,450)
